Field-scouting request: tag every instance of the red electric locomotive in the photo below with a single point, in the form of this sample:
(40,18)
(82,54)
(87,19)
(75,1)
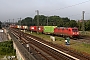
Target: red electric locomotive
(71,32)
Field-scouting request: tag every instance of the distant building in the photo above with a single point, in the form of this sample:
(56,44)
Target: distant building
(82,20)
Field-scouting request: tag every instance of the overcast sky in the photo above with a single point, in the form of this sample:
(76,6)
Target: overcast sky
(14,9)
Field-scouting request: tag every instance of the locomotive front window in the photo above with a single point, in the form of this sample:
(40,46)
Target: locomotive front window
(69,30)
(74,30)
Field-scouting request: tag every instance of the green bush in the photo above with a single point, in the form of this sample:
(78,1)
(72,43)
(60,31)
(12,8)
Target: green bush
(6,48)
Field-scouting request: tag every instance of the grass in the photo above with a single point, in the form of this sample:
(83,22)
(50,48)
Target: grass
(85,33)
(1,56)
(46,37)
(79,46)
(83,47)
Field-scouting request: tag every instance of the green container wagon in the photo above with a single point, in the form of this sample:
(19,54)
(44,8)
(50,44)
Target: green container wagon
(49,29)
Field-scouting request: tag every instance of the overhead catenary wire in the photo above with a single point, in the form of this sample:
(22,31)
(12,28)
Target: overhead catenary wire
(41,12)
(68,6)
(74,15)
(77,15)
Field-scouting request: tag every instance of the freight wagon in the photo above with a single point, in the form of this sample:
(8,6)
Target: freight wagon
(24,27)
(36,28)
(13,26)
(43,29)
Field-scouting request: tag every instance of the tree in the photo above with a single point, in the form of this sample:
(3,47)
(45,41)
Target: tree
(55,20)
(65,21)
(28,21)
(42,20)
(71,23)
(79,25)
(88,25)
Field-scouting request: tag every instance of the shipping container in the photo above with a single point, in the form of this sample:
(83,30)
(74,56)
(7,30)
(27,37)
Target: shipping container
(25,27)
(49,29)
(36,28)
(21,27)
(33,28)
(40,29)
(15,26)
(18,26)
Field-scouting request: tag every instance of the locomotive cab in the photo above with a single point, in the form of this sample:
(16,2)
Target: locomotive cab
(74,32)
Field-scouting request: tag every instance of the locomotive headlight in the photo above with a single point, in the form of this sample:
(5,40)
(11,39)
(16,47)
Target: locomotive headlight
(73,33)
(77,32)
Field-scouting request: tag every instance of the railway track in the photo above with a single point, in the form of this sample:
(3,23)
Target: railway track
(82,38)
(47,50)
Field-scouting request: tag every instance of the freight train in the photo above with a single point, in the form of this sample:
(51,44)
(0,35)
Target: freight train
(63,31)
